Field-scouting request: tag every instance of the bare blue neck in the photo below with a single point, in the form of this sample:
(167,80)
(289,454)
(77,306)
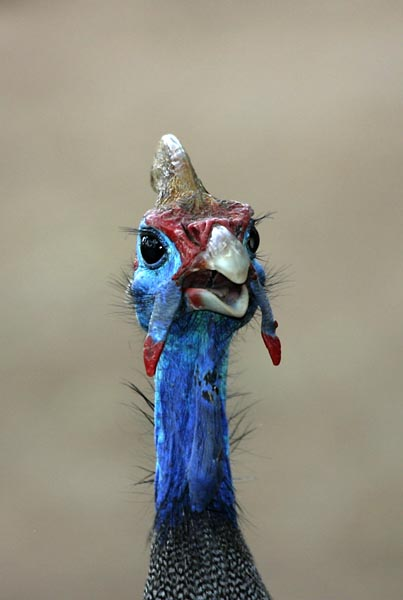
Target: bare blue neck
(191,430)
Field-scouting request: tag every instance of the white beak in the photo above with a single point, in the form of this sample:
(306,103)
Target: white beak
(226,255)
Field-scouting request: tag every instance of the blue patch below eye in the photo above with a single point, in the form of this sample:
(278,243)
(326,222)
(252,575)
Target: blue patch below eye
(261,273)
(150,281)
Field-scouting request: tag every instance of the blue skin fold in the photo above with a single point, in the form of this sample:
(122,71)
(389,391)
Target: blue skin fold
(191,429)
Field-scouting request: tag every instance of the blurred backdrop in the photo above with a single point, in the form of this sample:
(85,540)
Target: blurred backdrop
(295,107)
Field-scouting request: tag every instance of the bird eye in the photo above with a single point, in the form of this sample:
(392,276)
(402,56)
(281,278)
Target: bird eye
(151,248)
(253,240)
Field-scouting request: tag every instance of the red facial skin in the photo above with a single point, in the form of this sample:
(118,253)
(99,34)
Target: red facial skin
(191,232)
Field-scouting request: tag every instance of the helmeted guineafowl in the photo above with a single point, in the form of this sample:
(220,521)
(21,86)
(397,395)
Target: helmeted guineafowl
(196,281)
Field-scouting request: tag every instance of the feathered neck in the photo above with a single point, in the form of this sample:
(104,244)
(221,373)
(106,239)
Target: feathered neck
(191,430)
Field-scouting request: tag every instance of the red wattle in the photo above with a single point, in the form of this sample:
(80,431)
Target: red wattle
(273,345)
(152,352)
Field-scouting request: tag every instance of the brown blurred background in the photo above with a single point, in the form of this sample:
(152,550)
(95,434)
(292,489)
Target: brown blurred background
(295,107)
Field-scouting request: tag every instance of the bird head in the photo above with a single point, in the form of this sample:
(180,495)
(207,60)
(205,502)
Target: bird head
(195,253)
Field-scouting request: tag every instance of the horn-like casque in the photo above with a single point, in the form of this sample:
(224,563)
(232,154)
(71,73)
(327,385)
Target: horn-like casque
(174,179)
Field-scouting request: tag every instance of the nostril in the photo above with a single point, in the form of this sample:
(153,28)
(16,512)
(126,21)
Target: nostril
(199,231)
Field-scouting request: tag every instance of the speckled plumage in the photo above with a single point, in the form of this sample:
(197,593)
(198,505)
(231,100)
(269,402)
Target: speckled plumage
(205,558)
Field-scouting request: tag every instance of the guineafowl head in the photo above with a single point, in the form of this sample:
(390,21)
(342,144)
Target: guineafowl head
(196,265)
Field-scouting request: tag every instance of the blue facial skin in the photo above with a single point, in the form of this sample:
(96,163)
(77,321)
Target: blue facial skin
(191,430)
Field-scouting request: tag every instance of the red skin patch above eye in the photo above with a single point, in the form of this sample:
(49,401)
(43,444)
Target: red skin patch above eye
(191,232)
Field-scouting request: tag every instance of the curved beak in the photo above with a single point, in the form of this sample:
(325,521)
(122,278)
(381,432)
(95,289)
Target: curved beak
(226,254)
(216,280)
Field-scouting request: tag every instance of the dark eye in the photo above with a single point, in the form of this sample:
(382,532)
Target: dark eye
(253,240)
(151,248)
